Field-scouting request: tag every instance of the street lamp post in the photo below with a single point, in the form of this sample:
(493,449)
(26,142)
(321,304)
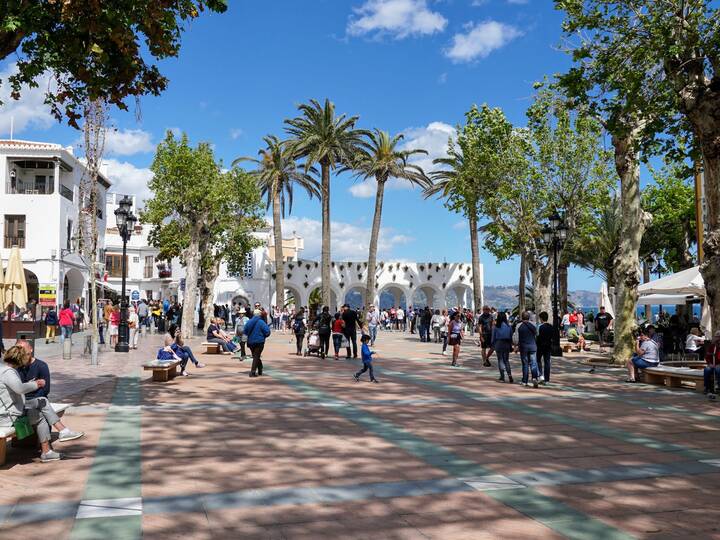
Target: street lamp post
(125,220)
(554,236)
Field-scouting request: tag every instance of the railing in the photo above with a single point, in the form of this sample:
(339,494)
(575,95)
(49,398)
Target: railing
(11,241)
(28,188)
(66,192)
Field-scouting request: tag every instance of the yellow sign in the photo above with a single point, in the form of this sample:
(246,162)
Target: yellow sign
(48,294)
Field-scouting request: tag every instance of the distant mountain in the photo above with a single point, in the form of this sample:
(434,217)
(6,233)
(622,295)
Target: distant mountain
(505,296)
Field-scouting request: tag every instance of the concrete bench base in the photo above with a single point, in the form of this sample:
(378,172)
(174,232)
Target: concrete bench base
(211,348)
(162,371)
(7,433)
(673,377)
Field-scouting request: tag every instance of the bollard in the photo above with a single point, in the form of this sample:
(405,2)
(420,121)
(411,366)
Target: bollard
(67,349)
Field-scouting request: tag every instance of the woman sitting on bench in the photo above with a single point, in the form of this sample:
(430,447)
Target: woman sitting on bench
(217,336)
(180,349)
(38,411)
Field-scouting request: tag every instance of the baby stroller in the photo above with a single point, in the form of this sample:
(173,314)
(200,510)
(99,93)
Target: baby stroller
(313,344)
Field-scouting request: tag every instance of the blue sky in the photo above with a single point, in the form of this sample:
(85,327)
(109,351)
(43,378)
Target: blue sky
(411,66)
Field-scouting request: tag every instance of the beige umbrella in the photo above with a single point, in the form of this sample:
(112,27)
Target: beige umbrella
(15,286)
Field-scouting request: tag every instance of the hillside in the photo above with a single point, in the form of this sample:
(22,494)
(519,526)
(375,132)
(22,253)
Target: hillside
(506,297)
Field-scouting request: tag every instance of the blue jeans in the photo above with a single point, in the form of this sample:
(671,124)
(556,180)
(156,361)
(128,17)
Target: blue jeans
(373,334)
(639,363)
(337,342)
(544,361)
(224,345)
(503,357)
(186,355)
(708,373)
(65,333)
(367,366)
(528,358)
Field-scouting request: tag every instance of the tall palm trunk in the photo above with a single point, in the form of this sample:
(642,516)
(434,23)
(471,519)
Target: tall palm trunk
(634,221)
(325,251)
(374,235)
(475,251)
(279,261)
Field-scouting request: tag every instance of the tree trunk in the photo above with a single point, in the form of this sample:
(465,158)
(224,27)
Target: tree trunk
(563,286)
(208,279)
(374,235)
(705,120)
(475,250)
(522,283)
(634,221)
(542,279)
(279,261)
(325,250)
(192,266)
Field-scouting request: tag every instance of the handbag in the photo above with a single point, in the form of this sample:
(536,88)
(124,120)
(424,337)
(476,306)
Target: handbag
(345,344)
(23,428)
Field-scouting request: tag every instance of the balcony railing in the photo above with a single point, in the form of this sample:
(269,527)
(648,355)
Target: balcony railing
(66,192)
(29,187)
(11,241)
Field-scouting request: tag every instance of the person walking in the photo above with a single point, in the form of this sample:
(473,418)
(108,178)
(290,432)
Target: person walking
(324,326)
(240,321)
(603,324)
(51,322)
(501,340)
(402,323)
(66,320)
(299,328)
(337,334)
(350,318)
(546,331)
(436,323)
(455,331)
(257,331)
(114,327)
(485,325)
(133,327)
(367,358)
(444,330)
(527,333)
(371,319)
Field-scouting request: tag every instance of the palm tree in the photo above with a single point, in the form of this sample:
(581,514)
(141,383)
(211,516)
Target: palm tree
(380,158)
(322,137)
(451,183)
(277,175)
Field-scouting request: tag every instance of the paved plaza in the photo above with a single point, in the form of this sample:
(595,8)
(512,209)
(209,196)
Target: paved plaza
(304,452)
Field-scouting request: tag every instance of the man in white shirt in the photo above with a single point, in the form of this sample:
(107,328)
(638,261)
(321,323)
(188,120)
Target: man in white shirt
(400,314)
(372,321)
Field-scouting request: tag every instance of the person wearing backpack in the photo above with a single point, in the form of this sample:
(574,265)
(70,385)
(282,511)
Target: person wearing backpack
(324,326)
(485,325)
(240,321)
(51,322)
(502,344)
(527,332)
(299,327)
(545,335)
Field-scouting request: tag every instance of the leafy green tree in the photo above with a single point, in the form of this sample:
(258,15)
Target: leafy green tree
(671,202)
(97,51)
(379,158)
(277,175)
(330,140)
(200,214)
(651,67)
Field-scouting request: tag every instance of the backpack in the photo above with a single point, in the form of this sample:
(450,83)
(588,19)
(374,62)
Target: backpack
(324,325)
(51,318)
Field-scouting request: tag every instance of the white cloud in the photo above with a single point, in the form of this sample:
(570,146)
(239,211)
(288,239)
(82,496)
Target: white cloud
(235,133)
(128,179)
(126,142)
(433,138)
(364,189)
(348,241)
(399,18)
(30,111)
(480,40)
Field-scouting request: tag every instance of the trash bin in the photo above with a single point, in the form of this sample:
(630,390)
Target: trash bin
(29,336)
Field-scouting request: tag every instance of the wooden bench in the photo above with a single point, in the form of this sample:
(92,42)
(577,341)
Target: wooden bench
(162,371)
(673,376)
(211,348)
(7,433)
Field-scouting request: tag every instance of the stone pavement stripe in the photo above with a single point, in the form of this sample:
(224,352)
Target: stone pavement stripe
(116,469)
(265,497)
(686,413)
(546,510)
(583,425)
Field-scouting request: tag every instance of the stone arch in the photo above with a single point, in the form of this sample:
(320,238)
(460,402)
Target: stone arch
(355,295)
(74,285)
(460,294)
(334,296)
(240,298)
(432,294)
(392,294)
(294,291)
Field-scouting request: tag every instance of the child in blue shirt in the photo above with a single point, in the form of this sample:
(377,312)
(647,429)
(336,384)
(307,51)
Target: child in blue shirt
(366,359)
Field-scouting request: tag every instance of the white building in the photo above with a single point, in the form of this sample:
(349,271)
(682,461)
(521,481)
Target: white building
(147,277)
(39,211)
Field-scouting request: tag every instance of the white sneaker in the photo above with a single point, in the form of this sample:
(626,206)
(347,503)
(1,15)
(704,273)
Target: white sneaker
(68,434)
(444,353)
(52,455)
(184,373)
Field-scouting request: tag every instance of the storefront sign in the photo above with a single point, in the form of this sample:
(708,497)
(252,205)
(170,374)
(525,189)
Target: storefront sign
(48,294)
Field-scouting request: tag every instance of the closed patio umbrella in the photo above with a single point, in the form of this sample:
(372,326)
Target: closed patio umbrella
(15,287)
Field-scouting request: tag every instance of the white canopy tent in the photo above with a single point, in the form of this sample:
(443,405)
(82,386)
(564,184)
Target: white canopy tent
(676,289)
(605,300)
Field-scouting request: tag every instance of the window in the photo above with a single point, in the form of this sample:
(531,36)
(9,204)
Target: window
(14,231)
(148,272)
(68,235)
(247,270)
(113,264)
(136,259)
